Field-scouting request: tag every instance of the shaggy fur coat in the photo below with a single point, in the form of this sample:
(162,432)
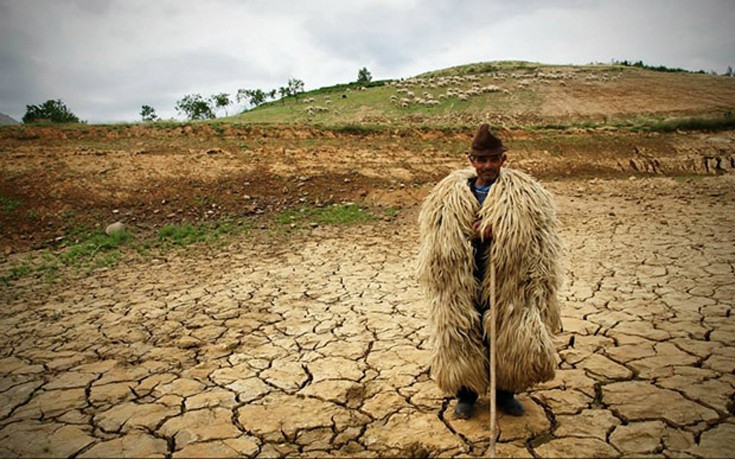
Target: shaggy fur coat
(526,254)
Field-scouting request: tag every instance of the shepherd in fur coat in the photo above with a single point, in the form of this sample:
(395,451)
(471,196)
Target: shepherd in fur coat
(515,227)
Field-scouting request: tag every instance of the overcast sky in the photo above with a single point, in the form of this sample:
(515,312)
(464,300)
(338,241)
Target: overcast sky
(107,58)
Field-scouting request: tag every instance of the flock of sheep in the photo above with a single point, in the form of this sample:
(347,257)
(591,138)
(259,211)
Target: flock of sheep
(452,83)
(421,90)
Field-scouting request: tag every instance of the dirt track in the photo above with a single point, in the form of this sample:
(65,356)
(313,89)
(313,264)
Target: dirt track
(317,346)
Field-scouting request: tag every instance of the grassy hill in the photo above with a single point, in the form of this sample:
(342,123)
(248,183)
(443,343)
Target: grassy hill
(512,94)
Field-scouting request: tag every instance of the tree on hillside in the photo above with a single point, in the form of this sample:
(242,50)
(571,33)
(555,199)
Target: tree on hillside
(52,110)
(195,107)
(364,76)
(221,100)
(148,113)
(283,92)
(295,87)
(254,97)
(242,94)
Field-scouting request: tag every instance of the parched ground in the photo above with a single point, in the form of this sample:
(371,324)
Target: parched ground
(317,346)
(315,343)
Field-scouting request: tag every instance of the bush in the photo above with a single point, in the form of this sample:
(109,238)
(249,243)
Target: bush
(53,111)
(148,114)
(655,68)
(195,107)
(364,76)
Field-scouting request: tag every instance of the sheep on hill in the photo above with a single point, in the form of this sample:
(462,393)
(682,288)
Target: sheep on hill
(435,82)
(550,76)
(423,90)
(314,109)
(462,87)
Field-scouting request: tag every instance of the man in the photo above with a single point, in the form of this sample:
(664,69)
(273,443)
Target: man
(480,215)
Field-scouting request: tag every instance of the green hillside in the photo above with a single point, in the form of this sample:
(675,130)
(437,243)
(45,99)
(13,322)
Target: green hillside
(509,94)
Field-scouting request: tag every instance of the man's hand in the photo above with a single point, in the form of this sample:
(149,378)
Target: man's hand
(488,235)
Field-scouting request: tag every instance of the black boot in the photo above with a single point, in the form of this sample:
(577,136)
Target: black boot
(508,404)
(465,407)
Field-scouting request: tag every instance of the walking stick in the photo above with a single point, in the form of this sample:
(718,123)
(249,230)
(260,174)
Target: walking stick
(493,402)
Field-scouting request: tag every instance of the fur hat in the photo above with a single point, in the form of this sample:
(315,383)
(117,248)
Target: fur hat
(486,143)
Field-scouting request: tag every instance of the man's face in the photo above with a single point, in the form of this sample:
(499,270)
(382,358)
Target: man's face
(487,166)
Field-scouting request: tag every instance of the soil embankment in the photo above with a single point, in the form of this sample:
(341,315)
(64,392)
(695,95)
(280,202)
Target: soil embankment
(60,177)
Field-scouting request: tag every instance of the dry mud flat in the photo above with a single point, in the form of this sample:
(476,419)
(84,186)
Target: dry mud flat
(317,346)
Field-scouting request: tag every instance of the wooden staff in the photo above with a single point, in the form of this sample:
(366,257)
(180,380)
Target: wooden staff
(493,318)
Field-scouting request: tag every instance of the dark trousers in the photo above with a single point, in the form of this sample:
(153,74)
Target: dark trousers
(465,394)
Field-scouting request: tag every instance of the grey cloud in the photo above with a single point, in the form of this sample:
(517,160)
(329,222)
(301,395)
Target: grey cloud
(18,85)
(106,58)
(400,38)
(98,7)
(157,82)
(390,36)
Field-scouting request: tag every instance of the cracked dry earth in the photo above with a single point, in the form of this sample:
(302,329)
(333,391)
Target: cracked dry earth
(318,346)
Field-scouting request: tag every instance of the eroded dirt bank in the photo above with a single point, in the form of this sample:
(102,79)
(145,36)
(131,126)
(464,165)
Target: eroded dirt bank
(57,178)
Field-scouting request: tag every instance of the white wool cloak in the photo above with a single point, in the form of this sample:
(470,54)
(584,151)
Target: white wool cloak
(526,253)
